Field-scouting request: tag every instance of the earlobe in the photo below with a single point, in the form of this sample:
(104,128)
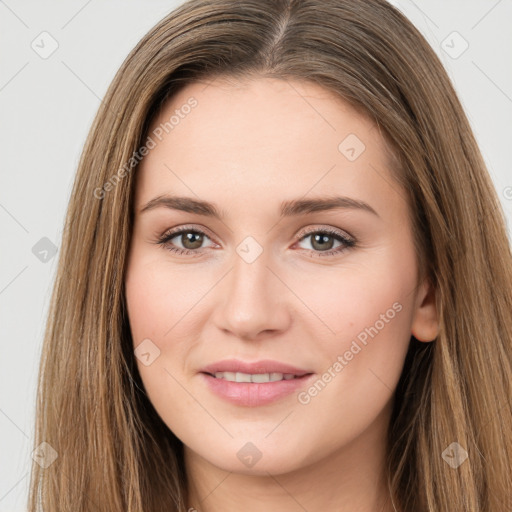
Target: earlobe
(425,325)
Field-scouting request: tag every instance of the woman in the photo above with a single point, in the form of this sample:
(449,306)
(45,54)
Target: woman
(245,154)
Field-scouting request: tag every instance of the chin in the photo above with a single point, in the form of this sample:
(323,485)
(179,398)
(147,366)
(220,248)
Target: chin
(258,458)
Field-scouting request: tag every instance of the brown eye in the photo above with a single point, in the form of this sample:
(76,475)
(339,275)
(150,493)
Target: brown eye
(191,239)
(322,242)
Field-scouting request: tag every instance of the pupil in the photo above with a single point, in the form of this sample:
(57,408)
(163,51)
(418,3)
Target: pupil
(189,238)
(322,239)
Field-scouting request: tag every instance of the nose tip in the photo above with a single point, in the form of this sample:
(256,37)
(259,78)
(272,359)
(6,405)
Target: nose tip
(250,303)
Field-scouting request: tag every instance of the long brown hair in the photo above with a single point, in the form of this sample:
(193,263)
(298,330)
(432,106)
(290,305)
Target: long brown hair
(113,450)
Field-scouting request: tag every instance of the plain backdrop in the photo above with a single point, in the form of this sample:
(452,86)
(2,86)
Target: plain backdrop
(47,104)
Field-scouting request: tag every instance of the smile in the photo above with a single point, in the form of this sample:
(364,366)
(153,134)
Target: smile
(253,390)
(254,377)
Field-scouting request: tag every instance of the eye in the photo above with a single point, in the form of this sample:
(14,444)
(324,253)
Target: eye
(191,240)
(323,240)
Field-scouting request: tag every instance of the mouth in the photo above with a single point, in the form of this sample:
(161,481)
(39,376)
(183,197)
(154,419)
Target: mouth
(229,367)
(256,378)
(254,384)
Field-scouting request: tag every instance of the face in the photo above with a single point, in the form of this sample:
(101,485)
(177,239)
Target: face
(319,299)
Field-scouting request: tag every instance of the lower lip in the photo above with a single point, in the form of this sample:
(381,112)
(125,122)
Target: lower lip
(253,394)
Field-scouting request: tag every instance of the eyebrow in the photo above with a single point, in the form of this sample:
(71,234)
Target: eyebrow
(289,208)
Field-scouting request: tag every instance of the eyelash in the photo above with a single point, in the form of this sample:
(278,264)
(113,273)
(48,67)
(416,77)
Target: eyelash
(166,237)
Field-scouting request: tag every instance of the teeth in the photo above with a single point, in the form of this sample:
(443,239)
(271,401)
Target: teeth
(253,377)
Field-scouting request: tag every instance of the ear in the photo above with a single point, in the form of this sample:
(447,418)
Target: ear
(425,325)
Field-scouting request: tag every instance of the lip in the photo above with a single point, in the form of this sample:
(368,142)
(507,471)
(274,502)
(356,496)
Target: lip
(264,366)
(251,394)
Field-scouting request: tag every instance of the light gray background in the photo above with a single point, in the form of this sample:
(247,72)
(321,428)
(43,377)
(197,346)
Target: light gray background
(46,109)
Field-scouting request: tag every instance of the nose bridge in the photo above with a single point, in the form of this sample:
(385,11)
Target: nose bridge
(250,268)
(251,277)
(253,295)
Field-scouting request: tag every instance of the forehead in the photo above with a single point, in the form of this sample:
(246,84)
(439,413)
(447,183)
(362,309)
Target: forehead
(271,111)
(262,137)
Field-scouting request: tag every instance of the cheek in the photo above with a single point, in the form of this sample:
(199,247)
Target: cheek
(357,304)
(365,357)
(157,302)
(369,315)
(164,303)
(159,298)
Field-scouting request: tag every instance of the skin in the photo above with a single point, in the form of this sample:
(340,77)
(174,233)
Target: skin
(246,147)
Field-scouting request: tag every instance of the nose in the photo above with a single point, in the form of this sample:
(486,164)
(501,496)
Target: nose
(252,300)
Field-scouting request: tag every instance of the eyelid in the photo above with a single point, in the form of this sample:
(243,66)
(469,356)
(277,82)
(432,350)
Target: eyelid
(345,237)
(328,229)
(187,227)
(300,234)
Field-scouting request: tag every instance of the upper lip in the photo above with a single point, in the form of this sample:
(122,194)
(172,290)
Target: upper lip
(264,366)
